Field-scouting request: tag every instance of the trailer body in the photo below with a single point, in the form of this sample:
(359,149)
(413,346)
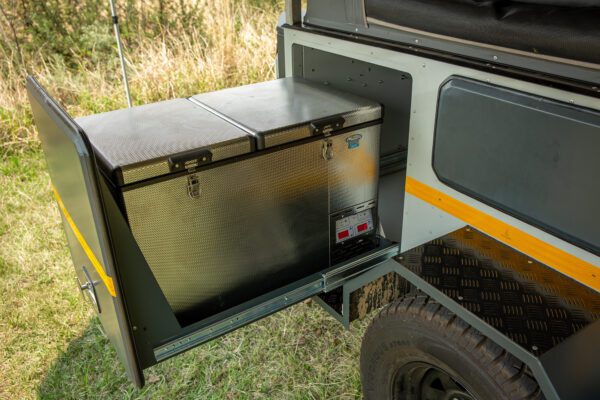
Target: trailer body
(500,136)
(482,193)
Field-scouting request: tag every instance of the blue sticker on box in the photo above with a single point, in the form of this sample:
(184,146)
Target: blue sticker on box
(353,141)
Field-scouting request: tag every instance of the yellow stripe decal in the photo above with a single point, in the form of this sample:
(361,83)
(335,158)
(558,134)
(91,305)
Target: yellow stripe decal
(545,253)
(90,254)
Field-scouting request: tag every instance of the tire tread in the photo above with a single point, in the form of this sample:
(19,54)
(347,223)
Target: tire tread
(509,373)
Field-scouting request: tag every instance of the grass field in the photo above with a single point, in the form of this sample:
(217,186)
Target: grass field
(51,344)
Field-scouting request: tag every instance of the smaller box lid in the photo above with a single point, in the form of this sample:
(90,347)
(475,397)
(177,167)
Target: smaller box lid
(287,109)
(155,139)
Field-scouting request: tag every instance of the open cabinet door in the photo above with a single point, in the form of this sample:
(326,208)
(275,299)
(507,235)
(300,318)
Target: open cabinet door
(74,176)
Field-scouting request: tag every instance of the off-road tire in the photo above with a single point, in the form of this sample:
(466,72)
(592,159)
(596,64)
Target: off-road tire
(416,329)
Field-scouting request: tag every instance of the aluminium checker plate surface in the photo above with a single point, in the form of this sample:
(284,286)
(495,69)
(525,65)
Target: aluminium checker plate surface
(532,304)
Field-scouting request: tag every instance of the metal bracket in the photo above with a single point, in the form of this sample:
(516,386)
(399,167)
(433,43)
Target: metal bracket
(293,12)
(391,265)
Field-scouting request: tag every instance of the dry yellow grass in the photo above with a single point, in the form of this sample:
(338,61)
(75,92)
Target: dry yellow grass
(235,45)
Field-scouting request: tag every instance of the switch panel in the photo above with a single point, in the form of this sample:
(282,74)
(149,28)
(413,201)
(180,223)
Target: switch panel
(353,225)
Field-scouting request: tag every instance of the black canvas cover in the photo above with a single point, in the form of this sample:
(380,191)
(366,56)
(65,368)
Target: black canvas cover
(560,28)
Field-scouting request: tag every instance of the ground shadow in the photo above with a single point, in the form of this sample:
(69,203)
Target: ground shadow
(89,368)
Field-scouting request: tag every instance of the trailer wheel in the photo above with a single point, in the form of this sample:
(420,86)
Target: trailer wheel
(416,349)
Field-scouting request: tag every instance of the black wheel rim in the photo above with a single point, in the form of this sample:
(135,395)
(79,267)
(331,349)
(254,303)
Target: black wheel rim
(422,381)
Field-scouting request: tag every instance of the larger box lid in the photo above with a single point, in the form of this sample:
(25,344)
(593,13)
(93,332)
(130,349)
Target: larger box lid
(288,109)
(155,139)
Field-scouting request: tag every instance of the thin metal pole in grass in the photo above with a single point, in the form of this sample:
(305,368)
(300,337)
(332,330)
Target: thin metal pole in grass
(115,21)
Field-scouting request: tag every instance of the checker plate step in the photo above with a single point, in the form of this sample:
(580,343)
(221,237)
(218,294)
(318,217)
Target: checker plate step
(531,303)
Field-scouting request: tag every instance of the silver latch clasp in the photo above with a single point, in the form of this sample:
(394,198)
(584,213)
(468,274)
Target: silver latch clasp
(327,150)
(193,186)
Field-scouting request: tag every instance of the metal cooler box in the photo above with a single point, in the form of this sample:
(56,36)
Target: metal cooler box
(233,194)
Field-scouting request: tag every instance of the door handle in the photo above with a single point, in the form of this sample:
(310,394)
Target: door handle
(89,287)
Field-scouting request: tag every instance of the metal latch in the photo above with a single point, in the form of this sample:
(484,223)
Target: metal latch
(189,160)
(193,186)
(327,125)
(327,149)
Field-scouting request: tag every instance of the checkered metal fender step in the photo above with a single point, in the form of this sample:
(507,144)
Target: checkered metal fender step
(532,304)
